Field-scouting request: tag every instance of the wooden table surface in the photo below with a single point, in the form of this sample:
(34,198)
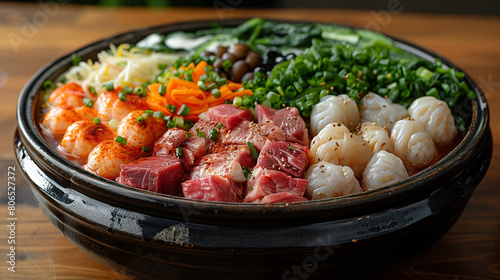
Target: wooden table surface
(32,35)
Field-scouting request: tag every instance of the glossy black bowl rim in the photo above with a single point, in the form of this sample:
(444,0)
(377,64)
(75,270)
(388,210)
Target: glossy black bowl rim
(420,184)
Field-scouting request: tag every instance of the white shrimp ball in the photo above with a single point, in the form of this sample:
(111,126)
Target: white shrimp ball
(333,109)
(338,146)
(375,108)
(435,116)
(413,144)
(377,137)
(383,169)
(141,133)
(326,180)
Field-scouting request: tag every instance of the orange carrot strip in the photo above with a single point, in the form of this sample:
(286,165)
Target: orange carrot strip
(198,71)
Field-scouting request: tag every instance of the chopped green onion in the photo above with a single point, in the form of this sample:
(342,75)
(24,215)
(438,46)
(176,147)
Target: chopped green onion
(188,124)
(121,140)
(216,93)
(162,89)
(162,66)
(139,91)
(227,101)
(221,81)
(48,85)
(109,86)
(113,124)
(158,114)
(179,121)
(146,149)
(219,126)
(237,101)
(212,86)
(88,102)
(172,108)
(97,120)
(122,96)
(213,135)
(121,63)
(76,59)
(128,90)
(146,84)
(226,65)
(140,119)
(253,150)
(92,90)
(291,148)
(184,110)
(247,171)
(202,86)
(200,133)
(149,112)
(178,152)
(170,124)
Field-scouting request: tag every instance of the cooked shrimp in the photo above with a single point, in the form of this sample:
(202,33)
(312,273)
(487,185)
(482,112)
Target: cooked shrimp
(107,157)
(69,94)
(141,131)
(109,106)
(58,119)
(82,136)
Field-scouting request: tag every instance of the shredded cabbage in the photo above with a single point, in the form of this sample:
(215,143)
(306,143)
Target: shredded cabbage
(123,65)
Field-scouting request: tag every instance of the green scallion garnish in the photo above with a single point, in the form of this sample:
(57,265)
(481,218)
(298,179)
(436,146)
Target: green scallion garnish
(109,86)
(158,114)
(139,91)
(253,150)
(48,85)
(216,93)
(162,89)
(184,110)
(178,152)
(97,120)
(213,134)
(146,149)
(88,102)
(122,96)
(121,140)
(75,59)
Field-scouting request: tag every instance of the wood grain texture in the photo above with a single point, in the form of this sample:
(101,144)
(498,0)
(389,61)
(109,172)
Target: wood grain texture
(32,35)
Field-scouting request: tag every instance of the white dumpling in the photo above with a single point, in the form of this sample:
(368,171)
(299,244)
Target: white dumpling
(377,137)
(335,144)
(412,143)
(435,116)
(327,180)
(333,109)
(375,108)
(383,169)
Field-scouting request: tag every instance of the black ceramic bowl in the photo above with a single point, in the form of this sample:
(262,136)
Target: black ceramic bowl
(150,235)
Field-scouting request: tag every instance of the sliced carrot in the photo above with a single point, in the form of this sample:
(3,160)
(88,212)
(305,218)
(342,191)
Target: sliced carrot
(198,71)
(181,92)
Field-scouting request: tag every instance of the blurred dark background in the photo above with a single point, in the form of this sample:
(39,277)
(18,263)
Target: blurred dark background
(419,6)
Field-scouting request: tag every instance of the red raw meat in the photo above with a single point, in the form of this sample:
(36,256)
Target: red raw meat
(169,141)
(161,174)
(264,182)
(227,161)
(213,188)
(229,115)
(257,134)
(284,156)
(283,197)
(288,119)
